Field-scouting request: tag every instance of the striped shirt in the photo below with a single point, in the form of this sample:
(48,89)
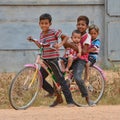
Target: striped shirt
(72,52)
(50,38)
(95,44)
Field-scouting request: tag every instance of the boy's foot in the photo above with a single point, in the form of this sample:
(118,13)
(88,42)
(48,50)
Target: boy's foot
(91,103)
(58,100)
(63,70)
(67,70)
(87,83)
(71,105)
(55,103)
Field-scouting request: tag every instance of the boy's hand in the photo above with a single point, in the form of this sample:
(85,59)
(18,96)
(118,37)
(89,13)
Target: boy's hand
(79,55)
(30,38)
(58,45)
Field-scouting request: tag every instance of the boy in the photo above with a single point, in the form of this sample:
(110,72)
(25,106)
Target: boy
(71,54)
(93,50)
(50,36)
(80,63)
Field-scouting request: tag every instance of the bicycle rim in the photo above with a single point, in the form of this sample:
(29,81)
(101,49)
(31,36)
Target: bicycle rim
(95,88)
(22,91)
(96,84)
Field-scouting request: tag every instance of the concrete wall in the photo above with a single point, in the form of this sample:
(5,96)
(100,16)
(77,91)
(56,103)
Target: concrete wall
(19,19)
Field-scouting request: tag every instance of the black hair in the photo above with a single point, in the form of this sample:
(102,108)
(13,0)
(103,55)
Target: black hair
(45,16)
(84,18)
(76,31)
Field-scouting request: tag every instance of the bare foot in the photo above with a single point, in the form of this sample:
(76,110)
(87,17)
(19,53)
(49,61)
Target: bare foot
(63,70)
(66,70)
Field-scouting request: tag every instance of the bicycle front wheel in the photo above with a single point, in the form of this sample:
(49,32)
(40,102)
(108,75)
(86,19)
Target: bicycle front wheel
(24,88)
(95,87)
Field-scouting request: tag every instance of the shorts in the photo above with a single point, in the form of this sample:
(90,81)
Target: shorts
(92,60)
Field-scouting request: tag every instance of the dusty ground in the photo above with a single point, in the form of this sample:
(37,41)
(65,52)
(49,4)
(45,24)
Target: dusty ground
(63,113)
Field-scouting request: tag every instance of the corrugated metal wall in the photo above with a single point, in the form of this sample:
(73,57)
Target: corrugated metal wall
(19,19)
(112,33)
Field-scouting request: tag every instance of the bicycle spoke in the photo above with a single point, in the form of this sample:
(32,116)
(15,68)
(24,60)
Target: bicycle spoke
(95,86)
(24,88)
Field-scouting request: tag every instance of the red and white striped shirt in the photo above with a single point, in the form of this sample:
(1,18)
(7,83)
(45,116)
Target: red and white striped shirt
(70,51)
(50,38)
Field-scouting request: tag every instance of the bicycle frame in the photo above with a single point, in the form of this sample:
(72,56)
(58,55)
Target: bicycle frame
(35,74)
(49,71)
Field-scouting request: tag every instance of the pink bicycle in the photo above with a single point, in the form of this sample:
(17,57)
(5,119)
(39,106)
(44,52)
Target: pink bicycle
(28,82)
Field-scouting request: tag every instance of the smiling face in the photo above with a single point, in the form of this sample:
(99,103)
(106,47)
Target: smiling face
(44,25)
(82,26)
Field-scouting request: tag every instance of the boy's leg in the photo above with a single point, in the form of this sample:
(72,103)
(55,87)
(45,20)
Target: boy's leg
(62,65)
(40,62)
(60,79)
(37,59)
(78,67)
(46,86)
(69,64)
(86,77)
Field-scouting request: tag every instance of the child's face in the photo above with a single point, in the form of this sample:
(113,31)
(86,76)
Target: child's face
(93,34)
(44,25)
(76,37)
(82,26)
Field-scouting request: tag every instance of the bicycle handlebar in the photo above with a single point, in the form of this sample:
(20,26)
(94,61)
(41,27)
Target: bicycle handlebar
(43,44)
(50,45)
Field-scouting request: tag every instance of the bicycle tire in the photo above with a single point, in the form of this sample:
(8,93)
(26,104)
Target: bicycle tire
(21,95)
(95,88)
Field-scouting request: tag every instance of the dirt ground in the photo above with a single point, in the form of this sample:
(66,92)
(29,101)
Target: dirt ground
(63,113)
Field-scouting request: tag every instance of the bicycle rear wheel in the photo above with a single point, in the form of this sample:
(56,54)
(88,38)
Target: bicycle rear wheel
(95,87)
(23,89)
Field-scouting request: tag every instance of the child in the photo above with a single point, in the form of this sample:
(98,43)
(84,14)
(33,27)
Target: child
(93,50)
(79,64)
(71,54)
(50,36)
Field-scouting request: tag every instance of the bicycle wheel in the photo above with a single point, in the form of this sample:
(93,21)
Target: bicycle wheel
(24,88)
(95,87)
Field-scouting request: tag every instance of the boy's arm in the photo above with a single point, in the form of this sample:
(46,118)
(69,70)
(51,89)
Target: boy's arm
(30,39)
(92,49)
(71,45)
(96,46)
(64,38)
(79,50)
(38,44)
(86,45)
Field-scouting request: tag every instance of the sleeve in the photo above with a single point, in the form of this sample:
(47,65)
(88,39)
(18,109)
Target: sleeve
(97,43)
(88,40)
(58,33)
